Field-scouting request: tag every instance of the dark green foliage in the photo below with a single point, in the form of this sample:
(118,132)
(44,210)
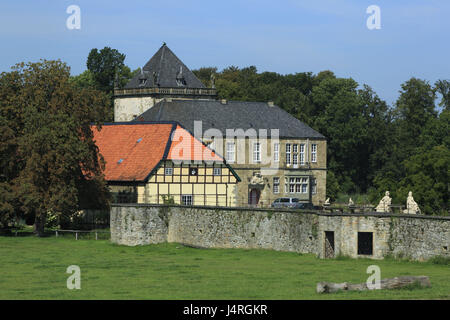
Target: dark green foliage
(49,157)
(371,147)
(104,65)
(105,70)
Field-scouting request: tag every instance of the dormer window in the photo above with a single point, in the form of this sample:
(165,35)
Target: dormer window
(181,82)
(142,81)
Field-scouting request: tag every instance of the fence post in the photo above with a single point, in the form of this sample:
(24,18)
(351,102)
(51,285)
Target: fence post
(56,233)
(76,235)
(96,237)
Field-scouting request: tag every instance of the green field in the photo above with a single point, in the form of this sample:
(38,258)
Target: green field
(35,268)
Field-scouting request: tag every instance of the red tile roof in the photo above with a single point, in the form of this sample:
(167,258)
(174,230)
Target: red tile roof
(186,147)
(131,151)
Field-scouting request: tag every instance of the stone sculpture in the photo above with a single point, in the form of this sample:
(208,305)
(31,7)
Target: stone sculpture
(327,202)
(350,202)
(411,206)
(384,205)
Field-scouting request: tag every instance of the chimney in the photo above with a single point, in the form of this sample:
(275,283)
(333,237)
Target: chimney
(223,101)
(270,103)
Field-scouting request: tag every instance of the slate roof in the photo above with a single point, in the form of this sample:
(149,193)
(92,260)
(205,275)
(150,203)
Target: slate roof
(133,150)
(168,68)
(232,115)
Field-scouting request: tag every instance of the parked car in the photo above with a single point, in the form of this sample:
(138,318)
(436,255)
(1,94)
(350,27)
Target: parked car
(293,203)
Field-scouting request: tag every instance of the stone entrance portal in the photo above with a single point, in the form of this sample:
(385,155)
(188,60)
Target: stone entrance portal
(253,197)
(329,244)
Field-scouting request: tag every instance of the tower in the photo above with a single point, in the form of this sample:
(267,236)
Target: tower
(163,76)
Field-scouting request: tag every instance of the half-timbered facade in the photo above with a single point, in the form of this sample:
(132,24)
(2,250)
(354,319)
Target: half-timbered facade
(161,162)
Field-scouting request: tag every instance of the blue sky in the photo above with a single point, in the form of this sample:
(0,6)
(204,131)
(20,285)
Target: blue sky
(280,36)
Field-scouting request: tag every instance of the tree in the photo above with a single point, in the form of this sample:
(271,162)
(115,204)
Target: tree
(343,124)
(84,80)
(47,121)
(428,176)
(104,65)
(414,109)
(443,87)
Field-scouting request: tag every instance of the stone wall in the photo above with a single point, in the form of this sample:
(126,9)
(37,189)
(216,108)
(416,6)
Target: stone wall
(412,236)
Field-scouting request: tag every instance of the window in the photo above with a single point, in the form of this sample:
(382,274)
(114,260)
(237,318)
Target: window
(276,152)
(304,187)
(231,152)
(314,186)
(297,185)
(168,171)
(314,153)
(302,154)
(288,153)
(256,152)
(295,155)
(193,171)
(187,200)
(217,171)
(276,185)
(291,185)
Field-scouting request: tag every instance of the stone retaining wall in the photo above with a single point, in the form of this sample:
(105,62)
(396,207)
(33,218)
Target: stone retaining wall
(412,236)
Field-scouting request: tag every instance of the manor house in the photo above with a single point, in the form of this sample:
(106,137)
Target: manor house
(274,154)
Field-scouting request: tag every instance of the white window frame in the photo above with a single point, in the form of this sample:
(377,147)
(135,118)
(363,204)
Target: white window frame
(217,171)
(184,198)
(302,154)
(295,155)
(168,171)
(288,154)
(296,185)
(304,185)
(276,185)
(276,152)
(313,186)
(256,152)
(313,152)
(231,152)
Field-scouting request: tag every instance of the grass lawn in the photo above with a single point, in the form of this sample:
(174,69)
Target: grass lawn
(35,268)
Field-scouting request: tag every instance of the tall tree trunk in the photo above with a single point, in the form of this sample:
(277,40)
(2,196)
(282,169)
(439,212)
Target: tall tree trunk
(39,224)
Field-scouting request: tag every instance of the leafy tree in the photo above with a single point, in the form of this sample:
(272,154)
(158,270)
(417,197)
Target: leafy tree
(104,65)
(428,176)
(204,74)
(84,80)
(415,108)
(443,87)
(371,146)
(344,126)
(46,121)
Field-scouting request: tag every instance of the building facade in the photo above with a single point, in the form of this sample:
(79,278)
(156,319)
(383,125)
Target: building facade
(161,162)
(274,154)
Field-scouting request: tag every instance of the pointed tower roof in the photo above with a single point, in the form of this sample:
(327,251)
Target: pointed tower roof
(165,70)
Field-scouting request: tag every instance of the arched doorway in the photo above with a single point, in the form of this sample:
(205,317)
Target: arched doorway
(253,197)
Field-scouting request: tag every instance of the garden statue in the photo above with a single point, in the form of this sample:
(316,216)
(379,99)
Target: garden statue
(350,202)
(327,202)
(384,205)
(411,206)
(212,78)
